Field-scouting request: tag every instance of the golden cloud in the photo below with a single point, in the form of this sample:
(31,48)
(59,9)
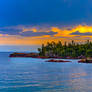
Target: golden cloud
(29,29)
(63,34)
(67,32)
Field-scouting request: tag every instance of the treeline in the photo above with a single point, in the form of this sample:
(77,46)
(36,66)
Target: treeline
(72,49)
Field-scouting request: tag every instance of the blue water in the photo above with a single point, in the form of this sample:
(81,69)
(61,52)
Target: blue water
(35,75)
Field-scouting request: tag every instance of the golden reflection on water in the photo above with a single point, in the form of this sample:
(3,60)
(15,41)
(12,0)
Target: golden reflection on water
(77,75)
(80,82)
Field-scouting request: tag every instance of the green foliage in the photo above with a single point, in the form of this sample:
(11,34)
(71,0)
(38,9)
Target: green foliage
(71,49)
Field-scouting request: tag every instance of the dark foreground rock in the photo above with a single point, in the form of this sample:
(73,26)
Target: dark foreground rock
(52,60)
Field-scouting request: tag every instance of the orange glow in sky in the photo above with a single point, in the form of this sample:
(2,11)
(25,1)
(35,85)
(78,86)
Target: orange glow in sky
(77,33)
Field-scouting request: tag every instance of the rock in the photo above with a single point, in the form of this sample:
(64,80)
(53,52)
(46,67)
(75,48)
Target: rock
(85,61)
(24,55)
(52,60)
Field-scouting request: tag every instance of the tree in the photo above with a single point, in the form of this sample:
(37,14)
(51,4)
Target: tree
(71,49)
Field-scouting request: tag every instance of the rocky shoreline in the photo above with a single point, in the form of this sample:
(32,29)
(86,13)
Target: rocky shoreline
(36,55)
(52,59)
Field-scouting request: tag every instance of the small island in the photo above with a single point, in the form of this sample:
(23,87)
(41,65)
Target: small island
(58,50)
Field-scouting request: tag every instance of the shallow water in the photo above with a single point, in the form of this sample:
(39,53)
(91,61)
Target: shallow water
(35,75)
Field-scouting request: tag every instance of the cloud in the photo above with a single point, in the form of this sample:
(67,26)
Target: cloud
(31,33)
(29,29)
(82,34)
(10,30)
(35,31)
(71,31)
(25,32)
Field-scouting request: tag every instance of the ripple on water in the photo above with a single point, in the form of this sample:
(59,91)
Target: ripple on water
(35,75)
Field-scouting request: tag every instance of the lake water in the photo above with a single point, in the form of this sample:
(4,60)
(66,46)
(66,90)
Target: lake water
(35,75)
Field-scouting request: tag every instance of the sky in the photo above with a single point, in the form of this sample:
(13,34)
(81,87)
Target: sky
(33,22)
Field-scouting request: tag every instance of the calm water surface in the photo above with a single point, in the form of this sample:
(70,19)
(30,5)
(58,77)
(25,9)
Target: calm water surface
(35,75)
